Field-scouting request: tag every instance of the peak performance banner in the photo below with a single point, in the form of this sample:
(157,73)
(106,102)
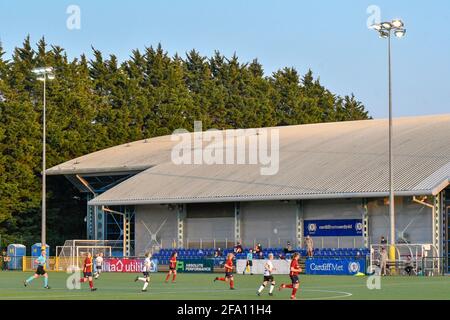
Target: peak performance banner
(195,265)
(333,228)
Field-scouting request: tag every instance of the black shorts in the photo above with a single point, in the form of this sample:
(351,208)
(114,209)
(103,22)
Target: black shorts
(172,268)
(294,279)
(99,267)
(250,263)
(268,278)
(40,271)
(228,274)
(87,274)
(146,274)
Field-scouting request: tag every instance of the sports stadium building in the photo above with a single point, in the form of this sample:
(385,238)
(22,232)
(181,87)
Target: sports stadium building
(327,172)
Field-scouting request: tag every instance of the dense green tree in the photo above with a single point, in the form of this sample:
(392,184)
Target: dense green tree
(97,103)
(20,141)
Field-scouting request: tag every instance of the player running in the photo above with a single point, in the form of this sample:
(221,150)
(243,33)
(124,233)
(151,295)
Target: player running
(228,271)
(294,271)
(146,272)
(172,267)
(87,272)
(98,265)
(268,277)
(40,271)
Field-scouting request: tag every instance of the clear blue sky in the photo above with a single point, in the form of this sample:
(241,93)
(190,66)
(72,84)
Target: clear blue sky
(328,36)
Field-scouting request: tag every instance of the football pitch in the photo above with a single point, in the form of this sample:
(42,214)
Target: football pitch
(121,286)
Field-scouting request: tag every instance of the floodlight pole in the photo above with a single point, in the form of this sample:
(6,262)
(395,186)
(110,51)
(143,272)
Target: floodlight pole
(385,30)
(42,74)
(391,156)
(44,176)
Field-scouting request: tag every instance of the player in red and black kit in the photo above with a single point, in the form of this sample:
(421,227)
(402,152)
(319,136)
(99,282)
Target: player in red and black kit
(87,272)
(228,271)
(294,271)
(172,267)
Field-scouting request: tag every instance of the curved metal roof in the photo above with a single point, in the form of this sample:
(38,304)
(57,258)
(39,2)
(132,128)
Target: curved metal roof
(328,160)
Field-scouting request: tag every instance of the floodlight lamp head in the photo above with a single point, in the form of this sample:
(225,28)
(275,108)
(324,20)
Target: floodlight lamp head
(384,34)
(400,33)
(376,27)
(386,25)
(397,23)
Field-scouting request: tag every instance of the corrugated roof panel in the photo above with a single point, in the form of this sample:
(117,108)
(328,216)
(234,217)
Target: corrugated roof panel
(329,160)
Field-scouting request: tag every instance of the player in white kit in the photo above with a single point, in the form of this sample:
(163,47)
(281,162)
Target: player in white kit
(146,271)
(98,265)
(268,277)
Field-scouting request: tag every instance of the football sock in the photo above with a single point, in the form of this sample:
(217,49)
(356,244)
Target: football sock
(271,288)
(30,279)
(45,282)
(174,277)
(145,285)
(82,280)
(261,288)
(91,284)
(221,279)
(231,283)
(294,291)
(288,286)
(142,279)
(167,277)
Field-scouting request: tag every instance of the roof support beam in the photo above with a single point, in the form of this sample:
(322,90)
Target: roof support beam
(126,229)
(103,200)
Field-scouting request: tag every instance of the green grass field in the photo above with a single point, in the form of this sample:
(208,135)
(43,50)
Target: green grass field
(121,286)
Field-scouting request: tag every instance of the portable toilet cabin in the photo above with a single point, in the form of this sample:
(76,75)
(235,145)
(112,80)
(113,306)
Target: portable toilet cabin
(16,252)
(36,252)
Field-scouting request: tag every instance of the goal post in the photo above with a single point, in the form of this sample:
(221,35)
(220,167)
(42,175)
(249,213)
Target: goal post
(71,253)
(81,251)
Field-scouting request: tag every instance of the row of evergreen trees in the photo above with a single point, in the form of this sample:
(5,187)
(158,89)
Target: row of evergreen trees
(97,103)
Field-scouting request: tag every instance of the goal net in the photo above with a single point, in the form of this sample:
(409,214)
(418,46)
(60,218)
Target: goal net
(72,253)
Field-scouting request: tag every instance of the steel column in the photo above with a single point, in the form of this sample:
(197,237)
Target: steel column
(181,215)
(237,222)
(99,223)
(299,219)
(437,213)
(365,221)
(90,216)
(127,233)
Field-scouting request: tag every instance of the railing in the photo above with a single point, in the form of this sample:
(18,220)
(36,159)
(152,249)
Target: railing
(319,242)
(424,259)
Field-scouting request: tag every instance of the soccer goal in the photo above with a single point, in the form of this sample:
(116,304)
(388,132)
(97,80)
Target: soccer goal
(72,253)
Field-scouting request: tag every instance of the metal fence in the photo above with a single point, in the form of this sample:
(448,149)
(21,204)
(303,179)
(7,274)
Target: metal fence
(319,242)
(410,259)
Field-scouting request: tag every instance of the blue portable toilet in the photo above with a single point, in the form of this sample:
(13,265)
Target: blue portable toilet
(36,250)
(16,252)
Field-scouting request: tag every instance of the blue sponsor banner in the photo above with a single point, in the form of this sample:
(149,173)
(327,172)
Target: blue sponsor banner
(333,228)
(335,266)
